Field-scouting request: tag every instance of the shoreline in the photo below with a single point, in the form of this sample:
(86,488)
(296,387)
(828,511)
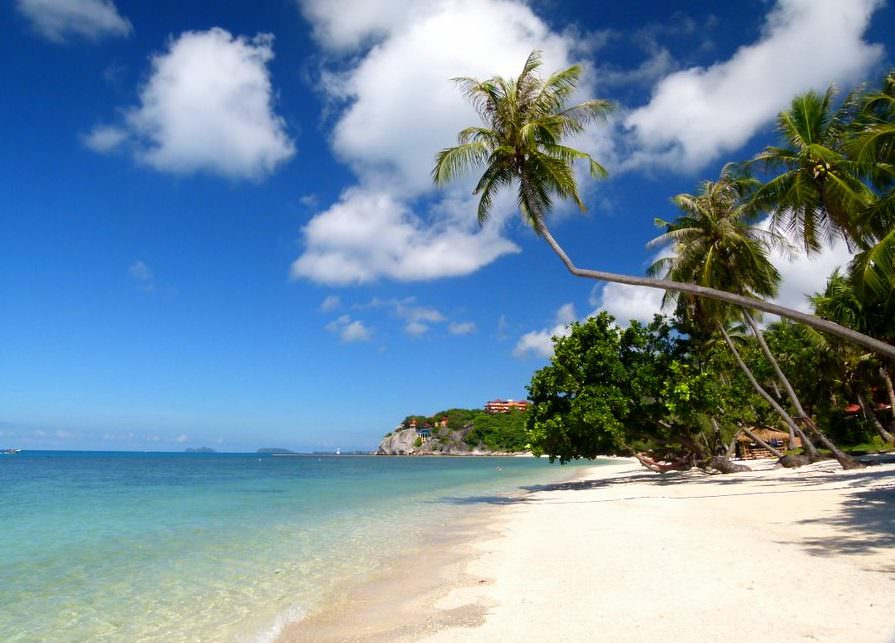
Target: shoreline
(398,602)
(770,555)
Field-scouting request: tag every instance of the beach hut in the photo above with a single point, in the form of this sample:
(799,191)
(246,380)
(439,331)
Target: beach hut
(748,449)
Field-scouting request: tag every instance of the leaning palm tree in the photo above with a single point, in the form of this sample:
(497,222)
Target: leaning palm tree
(840,300)
(872,145)
(520,143)
(714,243)
(819,192)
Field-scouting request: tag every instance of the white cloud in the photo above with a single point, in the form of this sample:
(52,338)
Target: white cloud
(58,20)
(627,302)
(406,309)
(461,328)
(697,114)
(346,24)
(330,303)
(181,439)
(503,327)
(64,435)
(368,235)
(349,330)
(400,108)
(208,106)
(803,276)
(418,318)
(105,138)
(415,328)
(539,343)
(142,274)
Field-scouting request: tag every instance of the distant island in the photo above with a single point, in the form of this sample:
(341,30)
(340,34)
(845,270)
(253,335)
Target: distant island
(275,451)
(496,429)
(201,450)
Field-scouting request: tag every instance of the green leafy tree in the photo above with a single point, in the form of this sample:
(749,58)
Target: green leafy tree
(613,391)
(499,431)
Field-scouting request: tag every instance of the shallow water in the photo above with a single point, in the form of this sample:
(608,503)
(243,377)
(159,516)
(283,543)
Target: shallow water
(227,547)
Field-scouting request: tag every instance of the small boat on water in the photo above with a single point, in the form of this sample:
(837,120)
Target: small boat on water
(10,451)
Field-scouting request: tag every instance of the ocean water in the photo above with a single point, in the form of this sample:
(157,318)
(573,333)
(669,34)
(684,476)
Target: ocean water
(98,546)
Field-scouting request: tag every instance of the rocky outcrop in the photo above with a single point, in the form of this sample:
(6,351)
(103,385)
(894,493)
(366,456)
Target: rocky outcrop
(399,442)
(403,441)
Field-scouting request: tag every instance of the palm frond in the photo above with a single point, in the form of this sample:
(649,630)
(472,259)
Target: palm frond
(452,161)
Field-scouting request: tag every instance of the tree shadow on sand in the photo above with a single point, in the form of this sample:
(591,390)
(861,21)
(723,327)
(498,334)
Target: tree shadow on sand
(864,524)
(865,521)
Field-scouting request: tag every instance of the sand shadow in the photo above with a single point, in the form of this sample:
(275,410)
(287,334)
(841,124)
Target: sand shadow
(866,522)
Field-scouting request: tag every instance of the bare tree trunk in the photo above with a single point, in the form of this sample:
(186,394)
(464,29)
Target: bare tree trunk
(808,445)
(875,345)
(867,410)
(790,392)
(731,448)
(717,430)
(758,388)
(776,389)
(777,452)
(884,373)
(844,460)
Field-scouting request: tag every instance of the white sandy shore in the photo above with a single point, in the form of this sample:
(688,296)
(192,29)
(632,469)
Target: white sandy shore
(623,555)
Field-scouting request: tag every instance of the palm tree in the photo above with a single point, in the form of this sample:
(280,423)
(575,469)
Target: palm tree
(525,122)
(715,244)
(840,301)
(818,192)
(872,145)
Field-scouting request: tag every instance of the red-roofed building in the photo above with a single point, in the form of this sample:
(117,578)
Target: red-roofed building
(505,406)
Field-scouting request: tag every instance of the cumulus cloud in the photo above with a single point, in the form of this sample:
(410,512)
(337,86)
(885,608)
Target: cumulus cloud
(802,275)
(349,330)
(371,234)
(416,328)
(697,114)
(330,303)
(142,274)
(208,106)
(539,343)
(105,138)
(398,107)
(59,20)
(181,439)
(346,24)
(461,328)
(627,302)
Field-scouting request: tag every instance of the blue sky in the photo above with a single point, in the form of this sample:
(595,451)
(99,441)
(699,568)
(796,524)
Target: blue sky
(218,227)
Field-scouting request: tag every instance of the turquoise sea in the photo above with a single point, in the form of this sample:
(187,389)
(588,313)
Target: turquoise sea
(98,546)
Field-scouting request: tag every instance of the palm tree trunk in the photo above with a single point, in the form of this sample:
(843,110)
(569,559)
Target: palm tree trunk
(875,345)
(731,448)
(758,387)
(884,373)
(777,453)
(717,431)
(844,460)
(797,404)
(867,410)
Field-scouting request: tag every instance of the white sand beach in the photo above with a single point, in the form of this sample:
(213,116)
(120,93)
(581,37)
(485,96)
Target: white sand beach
(625,555)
